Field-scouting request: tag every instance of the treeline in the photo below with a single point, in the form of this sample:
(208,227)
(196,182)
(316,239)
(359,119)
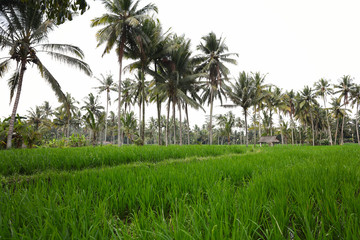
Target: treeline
(169,75)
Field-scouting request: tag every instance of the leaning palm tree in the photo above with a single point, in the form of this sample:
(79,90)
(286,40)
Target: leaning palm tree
(344,87)
(242,94)
(214,55)
(22,31)
(323,89)
(107,84)
(355,97)
(121,26)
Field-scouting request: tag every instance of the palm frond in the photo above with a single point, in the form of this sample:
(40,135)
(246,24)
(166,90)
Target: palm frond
(72,62)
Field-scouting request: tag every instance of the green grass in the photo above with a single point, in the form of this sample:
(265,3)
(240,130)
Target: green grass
(30,161)
(277,193)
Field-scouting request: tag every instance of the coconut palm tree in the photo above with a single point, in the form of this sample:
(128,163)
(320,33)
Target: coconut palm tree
(92,103)
(121,26)
(214,55)
(338,113)
(35,117)
(226,122)
(66,111)
(23,29)
(344,87)
(242,94)
(260,95)
(323,89)
(107,84)
(289,104)
(95,123)
(46,109)
(173,75)
(307,102)
(355,100)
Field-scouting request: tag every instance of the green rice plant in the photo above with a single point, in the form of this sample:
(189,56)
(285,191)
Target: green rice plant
(283,192)
(25,161)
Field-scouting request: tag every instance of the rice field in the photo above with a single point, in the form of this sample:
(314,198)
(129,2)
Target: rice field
(283,192)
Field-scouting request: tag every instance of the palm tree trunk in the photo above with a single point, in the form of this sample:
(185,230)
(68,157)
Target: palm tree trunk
(174,122)
(357,122)
(139,104)
(187,122)
(312,127)
(281,132)
(16,103)
(121,53)
(246,129)
(328,124)
(259,126)
(254,126)
(158,104)
(143,108)
(336,131)
(180,130)
(342,128)
(211,113)
(106,114)
(167,124)
(292,129)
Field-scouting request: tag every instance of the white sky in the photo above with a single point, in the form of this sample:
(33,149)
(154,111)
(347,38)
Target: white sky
(295,42)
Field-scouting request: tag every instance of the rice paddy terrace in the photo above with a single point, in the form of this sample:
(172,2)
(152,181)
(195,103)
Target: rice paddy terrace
(181,192)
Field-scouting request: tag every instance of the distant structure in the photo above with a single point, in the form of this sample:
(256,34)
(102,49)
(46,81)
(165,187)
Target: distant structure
(270,140)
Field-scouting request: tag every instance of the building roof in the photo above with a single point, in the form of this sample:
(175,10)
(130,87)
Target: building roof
(268,139)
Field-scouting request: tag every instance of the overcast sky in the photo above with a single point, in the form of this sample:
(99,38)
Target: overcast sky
(294,42)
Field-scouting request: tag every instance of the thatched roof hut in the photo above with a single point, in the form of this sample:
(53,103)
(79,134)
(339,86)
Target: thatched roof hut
(269,140)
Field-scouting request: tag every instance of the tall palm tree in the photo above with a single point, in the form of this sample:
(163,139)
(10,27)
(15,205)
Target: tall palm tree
(278,102)
(23,29)
(344,87)
(107,84)
(289,104)
(214,55)
(307,102)
(338,113)
(121,26)
(242,94)
(355,97)
(260,95)
(174,74)
(323,89)
(36,117)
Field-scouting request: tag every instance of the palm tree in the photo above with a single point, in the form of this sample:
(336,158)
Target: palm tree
(344,87)
(338,113)
(92,104)
(95,123)
(23,29)
(35,117)
(355,97)
(107,84)
(289,104)
(307,102)
(214,55)
(129,124)
(279,105)
(46,109)
(226,122)
(242,94)
(322,88)
(174,74)
(260,95)
(121,26)
(67,110)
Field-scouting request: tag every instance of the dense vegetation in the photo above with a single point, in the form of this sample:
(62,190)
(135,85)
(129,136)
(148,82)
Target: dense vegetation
(285,192)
